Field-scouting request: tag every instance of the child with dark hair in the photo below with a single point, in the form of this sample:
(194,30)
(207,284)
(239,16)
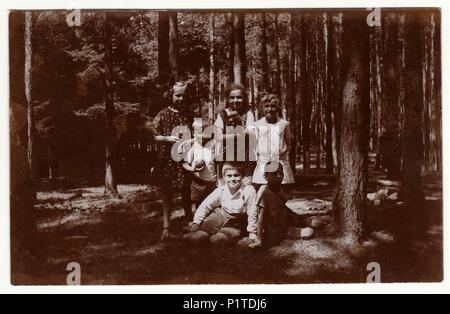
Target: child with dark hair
(234,132)
(274,218)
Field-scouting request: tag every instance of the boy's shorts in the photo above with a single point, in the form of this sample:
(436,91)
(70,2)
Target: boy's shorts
(200,190)
(221,222)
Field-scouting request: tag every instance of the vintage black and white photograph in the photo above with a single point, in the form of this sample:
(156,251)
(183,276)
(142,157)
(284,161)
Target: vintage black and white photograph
(195,147)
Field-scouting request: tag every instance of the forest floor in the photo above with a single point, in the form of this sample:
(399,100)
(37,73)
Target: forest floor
(116,242)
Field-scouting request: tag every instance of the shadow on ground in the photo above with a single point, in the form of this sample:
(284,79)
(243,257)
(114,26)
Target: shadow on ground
(116,242)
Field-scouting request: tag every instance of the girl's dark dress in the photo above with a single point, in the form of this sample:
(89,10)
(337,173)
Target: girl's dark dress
(247,165)
(169,173)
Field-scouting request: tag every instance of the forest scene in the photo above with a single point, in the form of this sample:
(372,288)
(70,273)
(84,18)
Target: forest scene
(361,90)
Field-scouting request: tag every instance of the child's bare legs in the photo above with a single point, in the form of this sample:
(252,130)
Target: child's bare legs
(219,239)
(167,211)
(225,237)
(197,238)
(186,200)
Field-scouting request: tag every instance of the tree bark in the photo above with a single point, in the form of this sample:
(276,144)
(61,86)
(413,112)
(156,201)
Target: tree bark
(306,99)
(336,53)
(292,99)
(22,189)
(212,70)
(412,192)
(29,93)
(110,112)
(231,51)
(163,47)
(328,98)
(390,150)
(277,58)
(240,62)
(376,91)
(431,115)
(350,199)
(50,162)
(173,47)
(264,54)
(438,91)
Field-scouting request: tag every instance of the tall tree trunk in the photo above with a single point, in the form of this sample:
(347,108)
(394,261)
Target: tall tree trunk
(277,58)
(22,189)
(255,92)
(438,91)
(264,54)
(163,47)
(212,68)
(401,59)
(306,98)
(376,91)
(350,199)
(431,116)
(240,62)
(231,51)
(328,97)
(412,192)
(391,109)
(336,53)
(28,92)
(50,162)
(110,112)
(173,47)
(292,99)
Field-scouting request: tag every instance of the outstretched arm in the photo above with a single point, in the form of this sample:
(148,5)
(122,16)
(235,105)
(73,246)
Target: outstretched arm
(208,206)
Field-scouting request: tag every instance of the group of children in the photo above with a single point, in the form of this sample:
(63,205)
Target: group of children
(232,181)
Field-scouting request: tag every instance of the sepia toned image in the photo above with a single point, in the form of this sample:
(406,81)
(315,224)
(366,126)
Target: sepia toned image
(194,147)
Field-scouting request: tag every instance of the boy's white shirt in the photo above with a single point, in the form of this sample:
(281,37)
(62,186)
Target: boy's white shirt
(206,153)
(243,201)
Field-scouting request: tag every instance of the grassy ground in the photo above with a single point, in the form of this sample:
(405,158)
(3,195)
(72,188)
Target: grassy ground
(117,242)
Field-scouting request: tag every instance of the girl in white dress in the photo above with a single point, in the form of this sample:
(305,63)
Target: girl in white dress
(273,141)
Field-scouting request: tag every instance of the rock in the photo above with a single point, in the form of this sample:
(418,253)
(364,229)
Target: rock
(383,236)
(307,233)
(371,196)
(393,197)
(316,223)
(382,194)
(369,244)
(303,207)
(389,183)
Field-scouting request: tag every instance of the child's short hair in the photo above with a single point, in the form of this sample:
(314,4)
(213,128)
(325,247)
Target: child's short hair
(200,123)
(181,85)
(229,166)
(271,98)
(272,167)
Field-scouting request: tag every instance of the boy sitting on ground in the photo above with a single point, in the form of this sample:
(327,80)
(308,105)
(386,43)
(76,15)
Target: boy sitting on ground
(274,218)
(224,215)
